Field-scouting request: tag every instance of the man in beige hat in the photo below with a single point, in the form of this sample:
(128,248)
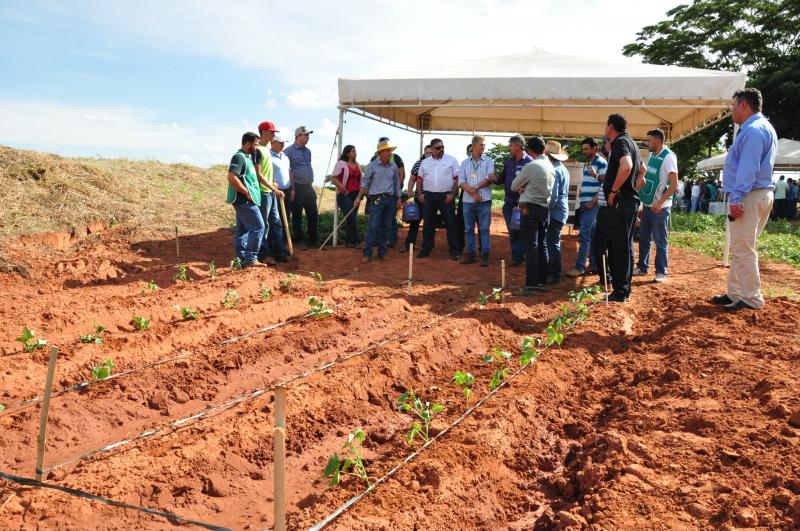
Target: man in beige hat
(559,210)
(381,183)
(302,194)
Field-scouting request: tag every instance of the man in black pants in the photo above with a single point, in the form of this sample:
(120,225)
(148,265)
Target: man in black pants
(534,183)
(624,177)
(439,178)
(302,194)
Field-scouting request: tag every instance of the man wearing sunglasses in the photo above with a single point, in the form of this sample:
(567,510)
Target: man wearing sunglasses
(438,175)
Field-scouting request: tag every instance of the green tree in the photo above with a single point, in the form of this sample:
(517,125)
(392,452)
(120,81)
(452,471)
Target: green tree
(759,37)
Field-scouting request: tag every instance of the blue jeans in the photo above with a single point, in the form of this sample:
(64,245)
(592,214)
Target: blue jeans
(553,237)
(272,243)
(482,214)
(249,231)
(588,221)
(514,236)
(381,213)
(653,227)
(345,203)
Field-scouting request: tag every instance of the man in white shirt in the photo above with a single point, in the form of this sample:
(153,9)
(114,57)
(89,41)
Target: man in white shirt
(438,175)
(695,196)
(660,183)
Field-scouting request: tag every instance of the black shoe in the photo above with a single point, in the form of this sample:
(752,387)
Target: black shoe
(454,257)
(617,297)
(484,260)
(527,291)
(722,300)
(469,258)
(738,305)
(423,254)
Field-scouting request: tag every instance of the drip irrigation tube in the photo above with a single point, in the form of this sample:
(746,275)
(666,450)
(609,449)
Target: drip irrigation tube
(358,497)
(30,482)
(249,396)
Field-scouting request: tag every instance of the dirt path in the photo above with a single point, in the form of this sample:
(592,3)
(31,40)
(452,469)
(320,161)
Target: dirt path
(662,413)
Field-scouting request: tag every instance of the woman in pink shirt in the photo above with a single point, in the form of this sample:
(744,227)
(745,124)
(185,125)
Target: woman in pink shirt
(347,180)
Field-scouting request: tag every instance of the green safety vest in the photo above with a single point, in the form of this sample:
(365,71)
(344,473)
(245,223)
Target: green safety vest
(250,180)
(652,180)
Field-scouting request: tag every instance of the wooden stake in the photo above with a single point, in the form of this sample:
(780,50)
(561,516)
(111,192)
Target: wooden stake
(286,230)
(503,280)
(177,244)
(48,385)
(280,460)
(605,277)
(410,265)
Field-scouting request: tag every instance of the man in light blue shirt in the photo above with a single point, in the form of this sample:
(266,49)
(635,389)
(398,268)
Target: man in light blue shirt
(559,210)
(747,177)
(475,177)
(381,183)
(302,194)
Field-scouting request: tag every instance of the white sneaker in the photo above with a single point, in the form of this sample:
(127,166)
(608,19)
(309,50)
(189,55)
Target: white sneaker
(661,277)
(639,273)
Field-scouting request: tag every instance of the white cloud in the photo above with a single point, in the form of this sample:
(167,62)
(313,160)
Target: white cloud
(312,99)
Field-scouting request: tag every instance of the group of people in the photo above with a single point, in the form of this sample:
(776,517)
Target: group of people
(617,183)
(786,197)
(698,195)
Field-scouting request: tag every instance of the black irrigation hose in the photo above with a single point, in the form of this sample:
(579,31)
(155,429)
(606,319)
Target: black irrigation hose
(30,482)
(358,497)
(249,396)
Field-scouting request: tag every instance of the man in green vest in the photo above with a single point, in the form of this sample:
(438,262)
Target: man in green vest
(270,195)
(660,183)
(245,196)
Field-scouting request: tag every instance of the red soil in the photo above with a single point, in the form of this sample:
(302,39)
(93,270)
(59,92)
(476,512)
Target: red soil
(660,414)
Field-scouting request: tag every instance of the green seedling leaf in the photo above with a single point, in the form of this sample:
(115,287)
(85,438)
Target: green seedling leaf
(149,287)
(316,276)
(29,341)
(265,294)
(465,380)
(286,284)
(236,264)
(497,294)
(318,308)
(102,371)
(140,322)
(231,299)
(483,300)
(2,408)
(351,463)
(188,313)
(94,336)
(212,270)
(424,411)
(183,273)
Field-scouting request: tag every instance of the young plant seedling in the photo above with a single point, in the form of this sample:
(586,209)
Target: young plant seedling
(102,371)
(286,284)
(554,333)
(465,380)
(212,270)
(183,273)
(266,294)
(497,294)
(499,358)
(29,341)
(425,411)
(188,313)
(149,287)
(350,463)
(530,351)
(140,322)
(483,300)
(2,408)
(231,299)
(236,264)
(94,335)
(317,276)
(318,308)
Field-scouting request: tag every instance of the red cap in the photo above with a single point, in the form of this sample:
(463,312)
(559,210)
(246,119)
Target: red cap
(266,126)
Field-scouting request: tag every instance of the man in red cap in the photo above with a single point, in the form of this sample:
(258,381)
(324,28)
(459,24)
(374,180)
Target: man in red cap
(270,195)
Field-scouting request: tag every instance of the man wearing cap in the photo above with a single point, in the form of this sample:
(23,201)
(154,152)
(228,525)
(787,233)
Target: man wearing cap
(270,194)
(398,161)
(245,196)
(475,178)
(303,196)
(280,175)
(535,186)
(381,184)
(439,177)
(513,165)
(559,209)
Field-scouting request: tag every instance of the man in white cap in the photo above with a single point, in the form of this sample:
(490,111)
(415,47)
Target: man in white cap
(381,184)
(559,210)
(276,242)
(303,196)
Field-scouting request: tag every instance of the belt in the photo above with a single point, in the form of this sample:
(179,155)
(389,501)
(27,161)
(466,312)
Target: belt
(533,205)
(437,193)
(381,195)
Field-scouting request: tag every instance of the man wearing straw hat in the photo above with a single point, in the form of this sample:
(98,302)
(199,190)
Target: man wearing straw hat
(381,184)
(559,210)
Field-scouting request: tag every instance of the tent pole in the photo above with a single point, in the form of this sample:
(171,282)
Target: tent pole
(421,142)
(339,134)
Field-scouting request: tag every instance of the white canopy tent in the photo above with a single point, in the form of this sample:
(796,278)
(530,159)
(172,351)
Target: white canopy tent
(544,93)
(787,158)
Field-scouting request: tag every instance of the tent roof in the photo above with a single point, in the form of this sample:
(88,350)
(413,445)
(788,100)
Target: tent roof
(540,92)
(787,158)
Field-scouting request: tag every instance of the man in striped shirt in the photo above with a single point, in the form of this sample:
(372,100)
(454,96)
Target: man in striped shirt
(591,191)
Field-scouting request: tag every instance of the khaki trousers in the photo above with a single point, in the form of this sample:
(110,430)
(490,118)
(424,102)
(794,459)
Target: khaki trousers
(744,281)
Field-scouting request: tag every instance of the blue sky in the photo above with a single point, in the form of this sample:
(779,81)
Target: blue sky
(182,80)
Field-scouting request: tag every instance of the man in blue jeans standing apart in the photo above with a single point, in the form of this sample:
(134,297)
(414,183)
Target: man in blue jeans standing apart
(589,197)
(512,167)
(475,177)
(381,183)
(660,183)
(245,196)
